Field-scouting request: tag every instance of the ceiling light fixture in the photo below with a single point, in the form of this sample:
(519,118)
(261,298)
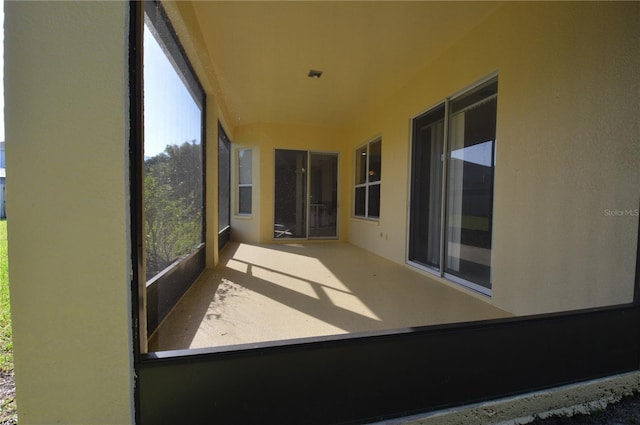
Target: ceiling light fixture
(314,74)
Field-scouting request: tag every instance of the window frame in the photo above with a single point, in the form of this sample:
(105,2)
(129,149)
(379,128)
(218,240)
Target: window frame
(367,185)
(241,185)
(156,297)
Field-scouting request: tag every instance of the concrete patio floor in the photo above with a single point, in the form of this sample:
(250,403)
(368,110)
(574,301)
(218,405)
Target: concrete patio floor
(276,292)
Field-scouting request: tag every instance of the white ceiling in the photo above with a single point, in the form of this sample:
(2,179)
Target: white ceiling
(262,52)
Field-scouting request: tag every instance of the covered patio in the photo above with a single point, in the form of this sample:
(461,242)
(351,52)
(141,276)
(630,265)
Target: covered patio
(271,292)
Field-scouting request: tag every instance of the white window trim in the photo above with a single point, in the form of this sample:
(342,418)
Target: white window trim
(366,184)
(241,185)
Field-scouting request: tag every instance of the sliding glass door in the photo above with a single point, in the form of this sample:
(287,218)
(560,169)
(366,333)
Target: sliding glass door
(426,190)
(323,199)
(453,163)
(472,134)
(306,200)
(290,194)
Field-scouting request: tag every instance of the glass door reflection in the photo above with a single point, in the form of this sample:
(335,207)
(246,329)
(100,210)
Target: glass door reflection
(472,138)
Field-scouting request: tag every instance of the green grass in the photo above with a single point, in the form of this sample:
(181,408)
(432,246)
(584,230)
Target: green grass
(475,223)
(8,412)
(6,346)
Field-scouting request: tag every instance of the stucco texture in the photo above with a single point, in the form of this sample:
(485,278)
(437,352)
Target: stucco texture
(568,151)
(67,154)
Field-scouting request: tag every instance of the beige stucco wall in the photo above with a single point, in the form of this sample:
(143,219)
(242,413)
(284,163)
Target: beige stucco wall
(67,154)
(569,139)
(568,151)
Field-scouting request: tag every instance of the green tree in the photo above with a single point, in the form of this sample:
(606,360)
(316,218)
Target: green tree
(173,205)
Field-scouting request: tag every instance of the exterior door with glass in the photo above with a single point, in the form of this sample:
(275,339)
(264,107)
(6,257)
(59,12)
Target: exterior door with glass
(306,195)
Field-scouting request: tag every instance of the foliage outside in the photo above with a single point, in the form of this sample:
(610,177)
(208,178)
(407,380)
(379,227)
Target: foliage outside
(173,205)
(8,413)
(6,346)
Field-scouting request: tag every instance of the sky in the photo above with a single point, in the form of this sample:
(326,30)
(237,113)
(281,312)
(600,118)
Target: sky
(478,154)
(171,114)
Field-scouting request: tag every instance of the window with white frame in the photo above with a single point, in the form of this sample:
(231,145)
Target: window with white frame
(368,180)
(245,181)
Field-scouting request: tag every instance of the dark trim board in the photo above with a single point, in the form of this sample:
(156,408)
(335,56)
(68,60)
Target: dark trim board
(224,237)
(368,377)
(166,290)
(636,286)
(136,155)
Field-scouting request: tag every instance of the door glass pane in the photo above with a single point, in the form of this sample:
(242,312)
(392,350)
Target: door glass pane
(472,134)
(173,201)
(290,194)
(426,188)
(323,200)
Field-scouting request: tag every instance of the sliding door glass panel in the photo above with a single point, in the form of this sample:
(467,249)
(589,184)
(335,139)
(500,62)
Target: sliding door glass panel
(224,188)
(426,188)
(472,134)
(290,194)
(323,199)
(173,202)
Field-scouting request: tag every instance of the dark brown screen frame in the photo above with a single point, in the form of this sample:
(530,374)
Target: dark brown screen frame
(154,301)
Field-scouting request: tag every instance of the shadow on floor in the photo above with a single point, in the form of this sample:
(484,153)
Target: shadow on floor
(276,292)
